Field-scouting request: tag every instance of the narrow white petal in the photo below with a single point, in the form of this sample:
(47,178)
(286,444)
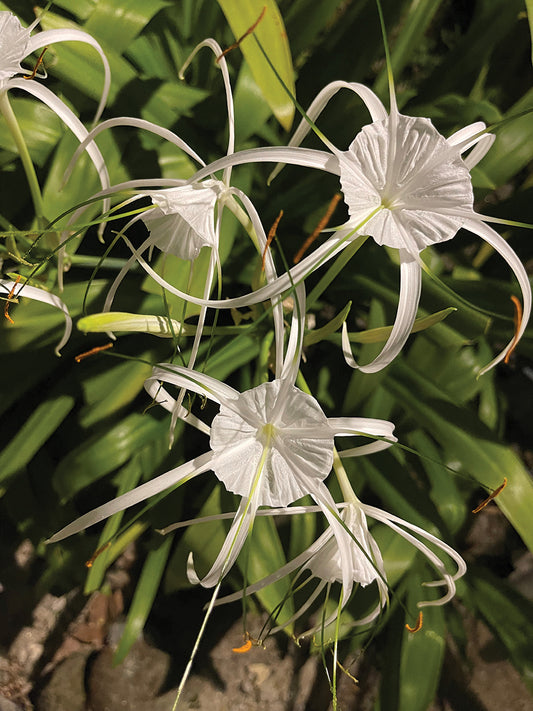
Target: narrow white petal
(305,157)
(141,493)
(500,245)
(42,39)
(192,380)
(69,118)
(343,426)
(32,292)
(233,543)
(410,285)
(134,123)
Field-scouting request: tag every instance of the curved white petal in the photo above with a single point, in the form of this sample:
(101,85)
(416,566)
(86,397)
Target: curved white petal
(305,157)
(397,524)
(463,137)
(345,426)
(322,254)
(222,64)
(42,39)
(500,245)
(410,286)
(291,362)
(141,493)
(32,292)
(365,449)
(69,118)
(134,123)
(270,274)
(371,101)
(199,383)
(241,526)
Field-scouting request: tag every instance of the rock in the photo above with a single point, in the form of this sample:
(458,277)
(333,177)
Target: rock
(65,690)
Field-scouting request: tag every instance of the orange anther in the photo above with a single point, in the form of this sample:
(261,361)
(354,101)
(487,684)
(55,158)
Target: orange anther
(491,496)
(518,313)
(418,625)
(271,235)
(245,647)
(244,36)
(37,65)
(82,356)
(89,563)
(318,229)
(8,301)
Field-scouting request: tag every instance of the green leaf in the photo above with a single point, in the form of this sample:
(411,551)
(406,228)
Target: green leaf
(39,426)
(116,25)
(112,389)
(318,334)
(529,7)
(40,126)
(422,653)
(271,34)
(79,65)
(256,566)
(474,450)
(204,540)
(103,453)
(509,615)
(144,597)
(128,479)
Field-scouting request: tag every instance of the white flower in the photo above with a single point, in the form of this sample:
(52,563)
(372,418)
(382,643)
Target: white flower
(13,290)
(182,219)
(406,186)
(17,43)
(271,445)
(354,552)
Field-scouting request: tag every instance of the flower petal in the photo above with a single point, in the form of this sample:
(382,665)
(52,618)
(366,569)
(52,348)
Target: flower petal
(43,39)
(192,380)
(141,493)
(500,245)
(69,118)
(410,285)
(45,297)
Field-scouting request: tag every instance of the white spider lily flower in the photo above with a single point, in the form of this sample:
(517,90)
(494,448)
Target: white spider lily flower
(271,445)
(405,185)
(17,43)
(12,290)
(356,548)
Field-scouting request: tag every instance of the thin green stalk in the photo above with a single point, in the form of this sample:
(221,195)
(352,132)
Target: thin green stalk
(27,163)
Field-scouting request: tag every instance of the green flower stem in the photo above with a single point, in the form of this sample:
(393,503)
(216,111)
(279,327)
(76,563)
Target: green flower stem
(33,183)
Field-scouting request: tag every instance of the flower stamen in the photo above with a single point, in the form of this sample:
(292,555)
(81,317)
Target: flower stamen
(491,496)
(89,563)
(270,238)
(242,37)
(517,323)
(93,351)
(9,300)
(418,625)
(322,224)
(37,65)
(245,647)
